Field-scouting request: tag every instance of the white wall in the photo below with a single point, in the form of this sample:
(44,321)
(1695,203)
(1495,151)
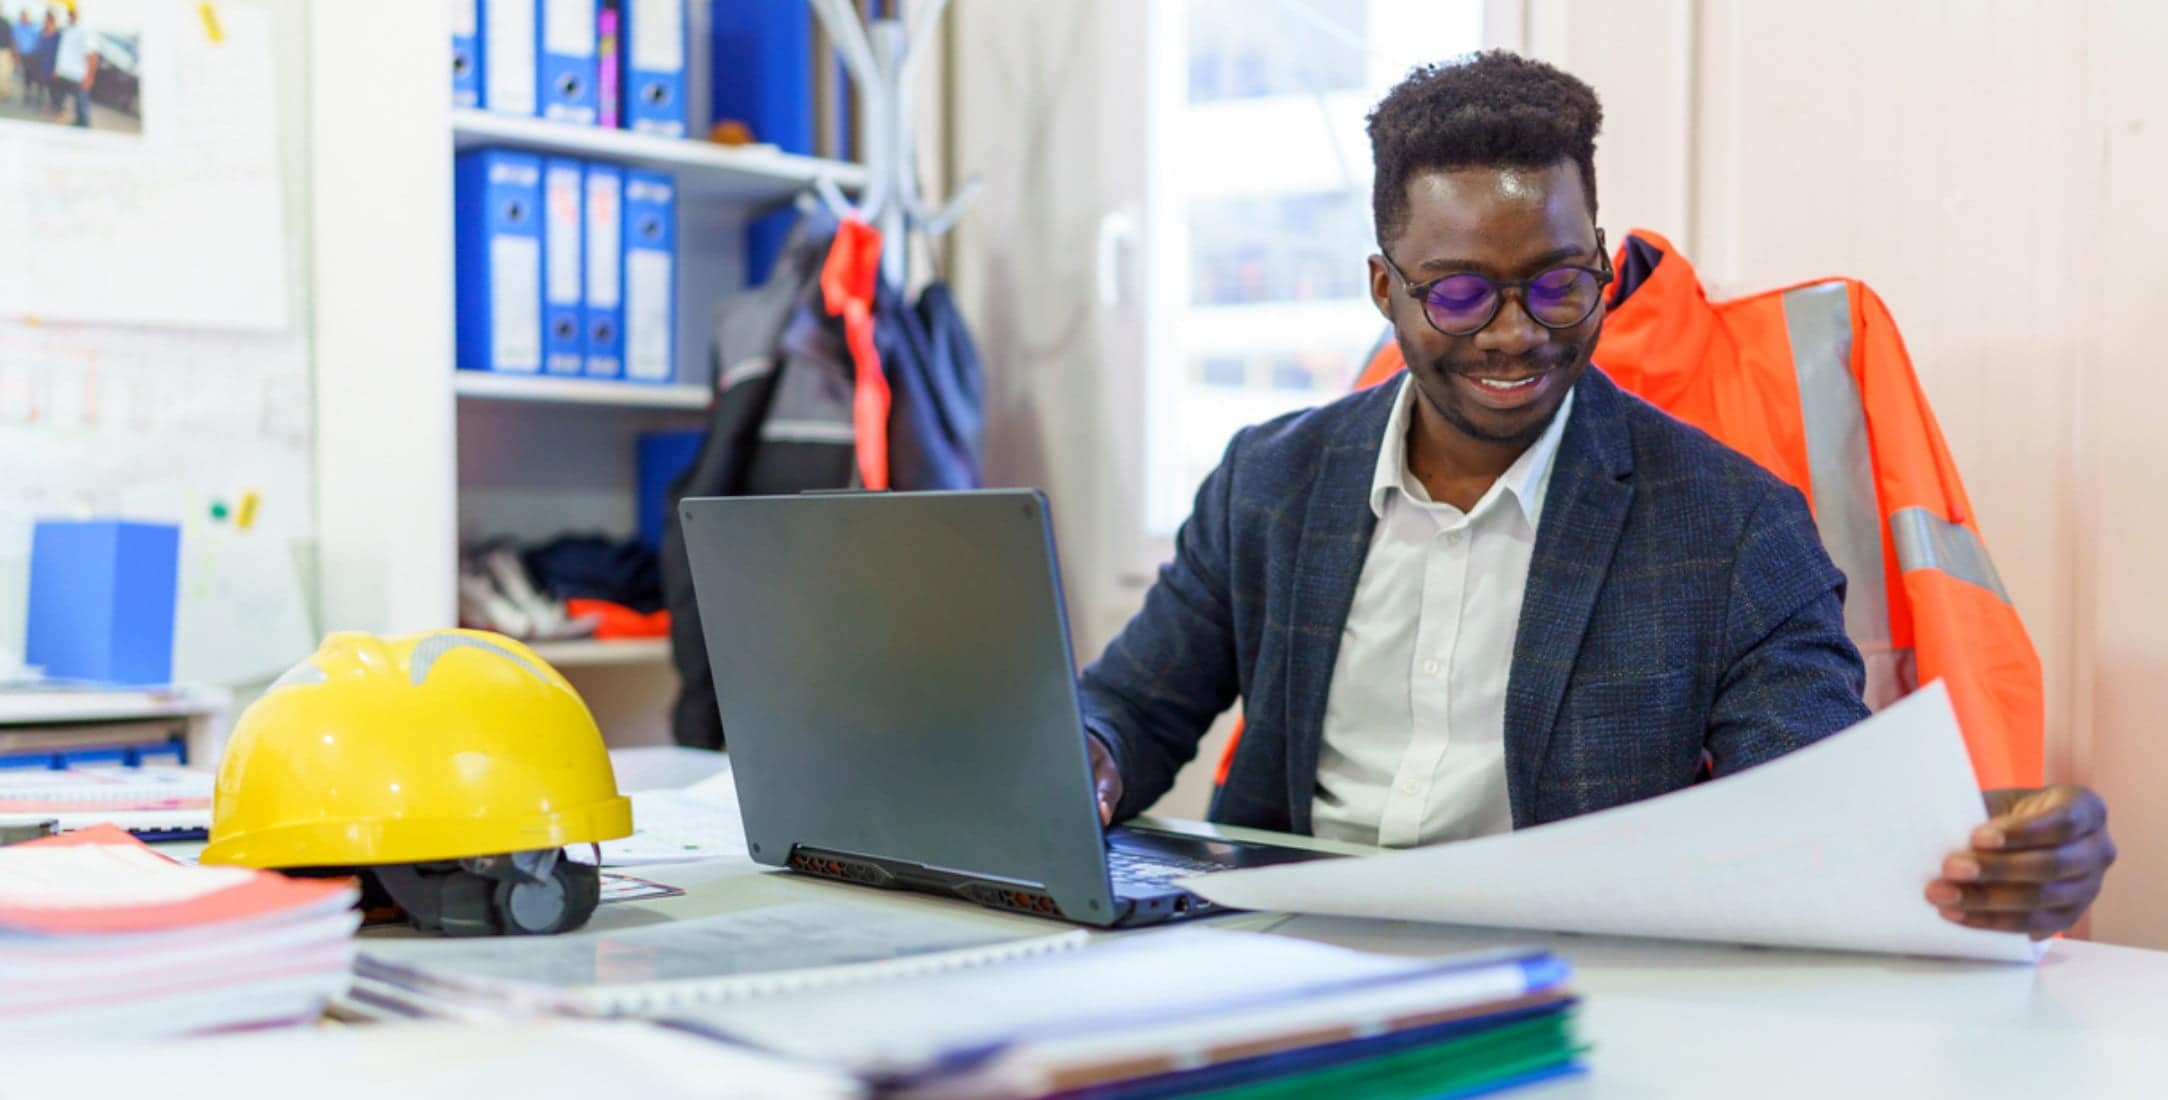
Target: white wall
(379,219)
(1983,166)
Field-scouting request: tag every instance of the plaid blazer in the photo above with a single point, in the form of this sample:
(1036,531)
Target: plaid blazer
(1680,612)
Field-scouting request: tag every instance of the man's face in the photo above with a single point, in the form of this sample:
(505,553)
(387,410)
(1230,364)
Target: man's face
(1506,223)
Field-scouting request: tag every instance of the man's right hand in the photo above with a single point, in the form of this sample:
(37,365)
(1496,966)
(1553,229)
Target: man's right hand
(1106,779)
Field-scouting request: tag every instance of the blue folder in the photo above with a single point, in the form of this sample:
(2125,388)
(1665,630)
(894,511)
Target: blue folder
(653,50)
(566,65)
(497,244)
(604,330)
(564,299)
(466,53)
(760,70)
(650,277)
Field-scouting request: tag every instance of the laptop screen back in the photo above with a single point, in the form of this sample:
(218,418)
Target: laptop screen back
(896,681)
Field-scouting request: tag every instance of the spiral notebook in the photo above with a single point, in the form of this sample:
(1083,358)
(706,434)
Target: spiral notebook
(658,969)
(152,801)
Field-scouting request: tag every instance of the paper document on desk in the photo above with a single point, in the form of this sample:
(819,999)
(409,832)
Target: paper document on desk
(1831,846)
(693,823)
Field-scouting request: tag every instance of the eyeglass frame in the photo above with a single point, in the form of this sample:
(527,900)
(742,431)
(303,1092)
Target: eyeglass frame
(1420,292)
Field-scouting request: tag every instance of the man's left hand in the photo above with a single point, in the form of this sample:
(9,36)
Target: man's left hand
(2035,865)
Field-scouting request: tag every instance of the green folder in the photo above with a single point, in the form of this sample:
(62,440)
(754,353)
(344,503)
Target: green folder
(1454,1067)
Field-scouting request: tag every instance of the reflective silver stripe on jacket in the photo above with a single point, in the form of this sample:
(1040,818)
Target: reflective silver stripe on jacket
(1819,323)
(1927,541)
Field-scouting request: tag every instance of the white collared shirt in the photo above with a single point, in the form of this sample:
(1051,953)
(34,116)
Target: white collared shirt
(1414,738)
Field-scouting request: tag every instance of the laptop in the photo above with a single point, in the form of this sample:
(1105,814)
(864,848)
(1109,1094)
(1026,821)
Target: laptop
(899,698)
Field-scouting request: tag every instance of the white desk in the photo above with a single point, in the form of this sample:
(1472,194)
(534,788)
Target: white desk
(201,710)
(1687,1020)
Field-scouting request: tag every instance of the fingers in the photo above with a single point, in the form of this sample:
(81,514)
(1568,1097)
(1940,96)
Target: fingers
(2014,897)
(2039,924)
(1106,780)
(2087,856)
(2044,819)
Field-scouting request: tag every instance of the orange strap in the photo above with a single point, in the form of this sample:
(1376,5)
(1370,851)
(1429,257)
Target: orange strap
(848,278)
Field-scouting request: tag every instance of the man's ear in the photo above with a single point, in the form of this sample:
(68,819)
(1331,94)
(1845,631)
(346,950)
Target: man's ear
(1381,287)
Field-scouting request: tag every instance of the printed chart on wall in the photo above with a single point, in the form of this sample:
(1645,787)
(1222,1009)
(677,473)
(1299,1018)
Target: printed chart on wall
(212,432)
(143,168)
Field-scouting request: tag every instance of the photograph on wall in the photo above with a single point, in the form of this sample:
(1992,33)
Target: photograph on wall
(71,63)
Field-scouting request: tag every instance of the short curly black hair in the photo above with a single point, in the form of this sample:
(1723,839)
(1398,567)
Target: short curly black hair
(1494,108)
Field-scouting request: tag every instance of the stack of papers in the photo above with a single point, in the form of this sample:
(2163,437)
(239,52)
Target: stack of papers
(1179,1012)
(100,935)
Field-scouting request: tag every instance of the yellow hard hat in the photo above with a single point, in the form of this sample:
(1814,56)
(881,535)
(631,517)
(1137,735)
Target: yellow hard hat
(450,749)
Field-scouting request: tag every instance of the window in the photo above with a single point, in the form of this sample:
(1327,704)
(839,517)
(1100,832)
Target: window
(1258,194)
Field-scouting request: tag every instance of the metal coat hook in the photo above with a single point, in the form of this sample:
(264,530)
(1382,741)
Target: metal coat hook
(879,58)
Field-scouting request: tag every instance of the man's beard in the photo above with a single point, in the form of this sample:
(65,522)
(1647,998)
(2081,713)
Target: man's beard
(1572,360)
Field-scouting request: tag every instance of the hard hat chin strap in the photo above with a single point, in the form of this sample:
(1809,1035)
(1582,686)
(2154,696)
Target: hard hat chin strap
(519,893)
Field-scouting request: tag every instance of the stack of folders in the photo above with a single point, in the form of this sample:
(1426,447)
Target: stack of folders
(938,1005)
(1183,1013)
(100,935)
(611,63)
(565,267)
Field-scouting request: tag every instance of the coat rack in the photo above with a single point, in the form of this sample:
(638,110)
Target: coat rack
(879,57)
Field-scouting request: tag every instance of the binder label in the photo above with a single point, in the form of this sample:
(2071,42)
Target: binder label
(508,69)
(647,314)
(603,247)
(516,303)
(571,28)
(658,35)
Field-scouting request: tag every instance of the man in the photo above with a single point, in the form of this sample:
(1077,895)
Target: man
(42,69)
(1501,591)
(75,66)
(27,43)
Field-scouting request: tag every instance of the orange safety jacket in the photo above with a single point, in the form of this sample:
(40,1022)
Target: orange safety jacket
(1813,382)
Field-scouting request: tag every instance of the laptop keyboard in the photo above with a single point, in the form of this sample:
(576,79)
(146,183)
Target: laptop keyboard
(1157,868)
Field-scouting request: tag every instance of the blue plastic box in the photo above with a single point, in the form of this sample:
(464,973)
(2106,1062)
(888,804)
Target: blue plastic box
(102,597)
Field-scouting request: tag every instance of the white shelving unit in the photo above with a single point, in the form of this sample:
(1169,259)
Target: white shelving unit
(599,393)
(586,653)
(414,456)
(706,172)
(538,454)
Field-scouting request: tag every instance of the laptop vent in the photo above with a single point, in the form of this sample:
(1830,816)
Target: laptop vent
(1021,901)
(849,870)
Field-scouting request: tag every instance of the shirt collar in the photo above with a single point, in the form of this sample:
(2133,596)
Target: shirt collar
(1528,479)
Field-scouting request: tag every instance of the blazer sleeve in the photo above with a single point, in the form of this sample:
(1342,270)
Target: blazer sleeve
(1793,676)
(1156,690)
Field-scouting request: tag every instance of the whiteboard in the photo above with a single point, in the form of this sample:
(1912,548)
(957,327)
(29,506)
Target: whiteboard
(182,224)
(152,417)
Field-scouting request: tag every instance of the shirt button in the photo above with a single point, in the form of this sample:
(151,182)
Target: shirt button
(1455,538)
(1430,666)
(1410,787)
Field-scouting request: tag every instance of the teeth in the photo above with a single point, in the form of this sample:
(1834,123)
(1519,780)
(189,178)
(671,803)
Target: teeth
(1491,384)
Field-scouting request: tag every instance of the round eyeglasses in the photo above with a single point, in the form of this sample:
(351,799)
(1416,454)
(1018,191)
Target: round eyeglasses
(1463,303)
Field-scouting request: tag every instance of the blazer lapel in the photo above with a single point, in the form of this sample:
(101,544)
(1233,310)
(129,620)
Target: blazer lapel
(1334,540)
(1583,515)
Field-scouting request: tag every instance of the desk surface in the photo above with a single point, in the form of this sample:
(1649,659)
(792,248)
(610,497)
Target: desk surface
(1690,1020)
